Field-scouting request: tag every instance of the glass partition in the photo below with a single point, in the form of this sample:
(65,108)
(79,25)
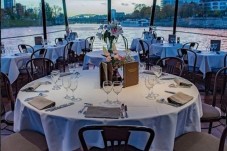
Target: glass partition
(20,22)
(134,17)
(202,21)
(55,20)
(85,17)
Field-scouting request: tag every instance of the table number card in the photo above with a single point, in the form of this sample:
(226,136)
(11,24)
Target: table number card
(172,38)
(215,45)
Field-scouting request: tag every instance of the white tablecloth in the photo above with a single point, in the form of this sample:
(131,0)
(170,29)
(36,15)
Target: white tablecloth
(165,49)
(135,45)
(61,126)
(10,64)
(53,51)
(78,45)
(96,57)
(206,61)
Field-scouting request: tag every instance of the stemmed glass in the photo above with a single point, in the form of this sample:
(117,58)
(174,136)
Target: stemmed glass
(73,70)
(55,74)
(66,84)
(117,87)
(157,71)
(73,87)
(107,87)
(142,68)
(149,83)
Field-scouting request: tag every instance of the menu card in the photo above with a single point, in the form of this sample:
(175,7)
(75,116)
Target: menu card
(215,45)
(38,40)
(131,74)
(103,112)
(179,98)
(40,103)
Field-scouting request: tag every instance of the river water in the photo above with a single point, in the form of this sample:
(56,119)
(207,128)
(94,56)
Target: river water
(202,36)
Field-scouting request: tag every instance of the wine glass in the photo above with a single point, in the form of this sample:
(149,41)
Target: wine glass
(157,71)
(149,83)
(107,87)
(55,74)
(66,84)
(117,87)
(73,87)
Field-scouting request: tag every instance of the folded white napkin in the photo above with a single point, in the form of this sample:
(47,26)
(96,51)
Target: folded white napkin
(40,103)
(103,112)
(32,87)
(182,84)
(179,98)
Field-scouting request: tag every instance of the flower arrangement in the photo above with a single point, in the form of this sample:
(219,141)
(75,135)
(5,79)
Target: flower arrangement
(109,34)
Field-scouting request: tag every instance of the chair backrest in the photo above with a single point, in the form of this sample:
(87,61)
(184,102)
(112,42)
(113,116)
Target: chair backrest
(38,40)
(219,90)
(40,53)
(145,50)
(6,88)
(39,67)
(172,65)
(191,45)
(59,40)
(116,134)
(69,53)
(90,41)
(125,42)
(160,38)
(24,48)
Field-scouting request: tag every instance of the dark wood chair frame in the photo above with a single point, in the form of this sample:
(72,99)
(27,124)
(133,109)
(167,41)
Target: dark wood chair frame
(221,74)
(90,41)
(191,45)
(125,42)
(171,65)
(23,48)
(59,40)
(41,53)
(9,94)
(117,134)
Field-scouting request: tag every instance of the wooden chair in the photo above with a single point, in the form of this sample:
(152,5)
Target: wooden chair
(90,41)
(116,134)
(172,65)
(7,92)
(39,67)
(24,48)
(225,61)
(125,42)
(69,56)
(191,45)
(40,53)
(25,140)
(210,112)
(59,41)
(160,38)
(197,141)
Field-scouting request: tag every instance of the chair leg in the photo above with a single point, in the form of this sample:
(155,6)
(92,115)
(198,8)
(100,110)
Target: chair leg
(210,127)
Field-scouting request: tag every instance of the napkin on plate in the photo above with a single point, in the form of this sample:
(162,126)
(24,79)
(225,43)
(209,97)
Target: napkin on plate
(182,84)
(40,103)
(103,112)
(148,72)
(179,98)
(32,87)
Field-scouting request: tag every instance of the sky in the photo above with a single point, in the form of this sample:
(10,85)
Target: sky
(75,7)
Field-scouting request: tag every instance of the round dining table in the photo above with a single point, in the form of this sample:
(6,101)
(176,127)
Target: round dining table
(96,57)
(61,126)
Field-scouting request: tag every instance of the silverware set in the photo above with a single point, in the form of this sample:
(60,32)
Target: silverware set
(124,109)
(59,107)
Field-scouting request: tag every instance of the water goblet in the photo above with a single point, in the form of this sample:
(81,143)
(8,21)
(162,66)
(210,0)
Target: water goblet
(66,84)
(55,74)
(73,87)
(117,87)
(107,87)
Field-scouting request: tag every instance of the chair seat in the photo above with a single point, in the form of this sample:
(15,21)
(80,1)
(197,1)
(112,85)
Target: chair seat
(117,148)
(24,141)
(9,116)
(210,113)
(197,141)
